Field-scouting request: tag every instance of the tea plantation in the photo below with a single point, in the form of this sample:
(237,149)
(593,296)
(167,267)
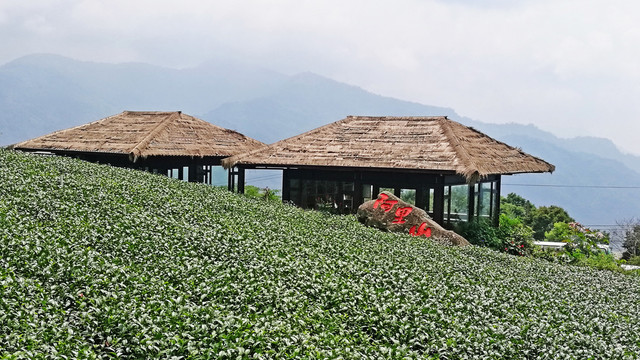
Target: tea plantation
(99,262)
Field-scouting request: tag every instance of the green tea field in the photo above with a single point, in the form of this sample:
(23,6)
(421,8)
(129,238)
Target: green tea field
(101,262)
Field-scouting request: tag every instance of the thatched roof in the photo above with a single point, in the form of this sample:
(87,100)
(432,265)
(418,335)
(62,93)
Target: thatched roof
(413,143)
(141,134)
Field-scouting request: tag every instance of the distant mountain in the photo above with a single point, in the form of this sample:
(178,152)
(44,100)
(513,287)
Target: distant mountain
(583,178)
(306,101)
(43,93)
(600,147)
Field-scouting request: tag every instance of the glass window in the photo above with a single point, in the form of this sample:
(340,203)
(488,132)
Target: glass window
(367,192)
(347,187)
(218,176)
(389,190)
(322,195)
(408,196)
(484,200)
(476,202)
(459,207)
(432,193)
(294,195)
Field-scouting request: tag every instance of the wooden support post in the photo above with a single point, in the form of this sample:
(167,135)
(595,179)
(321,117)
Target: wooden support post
(241,180)
(496,207)
(358,198)
(471,202)
(376,191)
(420,198)
(193,173)
(230,180)
(438,203)
(286,186)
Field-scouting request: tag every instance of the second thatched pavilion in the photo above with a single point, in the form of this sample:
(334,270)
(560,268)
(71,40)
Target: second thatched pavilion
(169,143)
(450,170)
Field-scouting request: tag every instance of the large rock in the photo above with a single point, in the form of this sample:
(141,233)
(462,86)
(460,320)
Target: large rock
(390,213)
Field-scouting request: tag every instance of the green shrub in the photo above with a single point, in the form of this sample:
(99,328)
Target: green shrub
(552,255)
(512,236)
(600,261)
(635,260)
(580,241)
(479,232)
(517,238)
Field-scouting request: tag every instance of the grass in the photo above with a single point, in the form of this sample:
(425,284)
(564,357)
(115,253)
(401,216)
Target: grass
(100,262)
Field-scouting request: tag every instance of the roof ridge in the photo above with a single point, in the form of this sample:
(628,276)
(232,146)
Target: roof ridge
(394,117)
(470,169)
(231,161)
(136,152)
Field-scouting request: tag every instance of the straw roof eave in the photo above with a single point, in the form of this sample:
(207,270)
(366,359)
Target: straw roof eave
(106,152)
(143,134)
(434,144)
(471,176)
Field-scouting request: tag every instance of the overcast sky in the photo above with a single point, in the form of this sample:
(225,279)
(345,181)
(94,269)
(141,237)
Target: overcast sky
(571,67)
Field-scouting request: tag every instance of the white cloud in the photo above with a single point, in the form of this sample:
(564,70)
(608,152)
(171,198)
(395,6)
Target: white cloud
(563,65)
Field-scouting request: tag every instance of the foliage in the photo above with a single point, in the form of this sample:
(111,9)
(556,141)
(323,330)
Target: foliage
(459,199)
(408,196)
(480,232)
(634,260)
(581,246)
(577,236)
(540,219)
(517,237)
(515,206)
(512,236)
(631,243)
(602,261)
(101,262)
(255,192)
(574,232)
(552,223)
(544,217)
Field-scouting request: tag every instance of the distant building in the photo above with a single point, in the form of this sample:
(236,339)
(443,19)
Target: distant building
(558,245)
(170,143)
(450,170)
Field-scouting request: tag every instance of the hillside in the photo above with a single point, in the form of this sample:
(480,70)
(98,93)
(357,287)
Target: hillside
(101,261)
(43,93)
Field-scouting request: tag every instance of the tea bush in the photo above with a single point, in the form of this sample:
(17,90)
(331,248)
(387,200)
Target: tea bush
(100,262)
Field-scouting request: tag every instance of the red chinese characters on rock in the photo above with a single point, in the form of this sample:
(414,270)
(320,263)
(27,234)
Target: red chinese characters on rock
(401,213)
(384,203)
(423,229)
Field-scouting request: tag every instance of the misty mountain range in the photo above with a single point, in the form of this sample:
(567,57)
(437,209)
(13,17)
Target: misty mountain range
(43,93)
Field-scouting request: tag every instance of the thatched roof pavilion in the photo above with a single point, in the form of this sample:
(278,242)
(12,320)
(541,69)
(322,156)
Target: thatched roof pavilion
(151,140)
(426,156)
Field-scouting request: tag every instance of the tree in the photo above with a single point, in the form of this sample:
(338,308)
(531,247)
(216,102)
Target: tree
(543,218)
(539,219)
(515,206)
(265,194)
(627,237)
(632,241)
